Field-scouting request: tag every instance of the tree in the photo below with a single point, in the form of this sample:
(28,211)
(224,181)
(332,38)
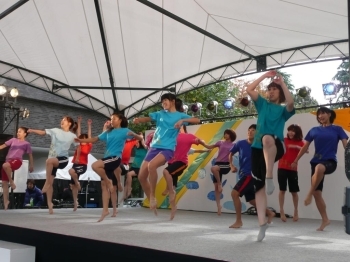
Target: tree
(343,73)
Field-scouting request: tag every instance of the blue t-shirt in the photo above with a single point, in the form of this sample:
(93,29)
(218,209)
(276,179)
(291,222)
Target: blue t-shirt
(166,134)
(326,140)
(60,142)
(115,141)
(245,151)
(271,120)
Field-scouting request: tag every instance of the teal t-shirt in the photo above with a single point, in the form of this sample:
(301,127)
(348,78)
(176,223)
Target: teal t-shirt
(115,141)
(139,154)
(271,120)
(166,134)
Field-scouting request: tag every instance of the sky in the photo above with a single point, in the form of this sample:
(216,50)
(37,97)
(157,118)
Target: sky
(313,76)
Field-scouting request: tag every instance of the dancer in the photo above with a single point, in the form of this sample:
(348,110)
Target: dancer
(80,161)
(115,137)
(293,143)
(326,138)
(139,153)
(61,140)
(168,122)
(245,184)
(267,146)
(221,166)
(17,148)
(179,163)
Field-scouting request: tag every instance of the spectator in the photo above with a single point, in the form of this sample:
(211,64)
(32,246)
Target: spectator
(32,192)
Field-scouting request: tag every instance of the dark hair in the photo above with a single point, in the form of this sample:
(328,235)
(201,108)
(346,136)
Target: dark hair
(252,126)
(31,181)
(123,123)
(25,129)
(231,133)
(179,105)
(297,130)
(83,136)
(73,125)
(168,96)
(327,111)
(282,97)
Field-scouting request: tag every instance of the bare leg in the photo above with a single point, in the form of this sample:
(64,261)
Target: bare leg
(261,206)
(143,178)
(321,206)
(49,193)
(117,174)
(217,197)
(98,167)
(75,196)
(281,196)
(238,208)
(74,176)
(114,201)
(5,194)
(315,181)
(216,173)
(7,168)
(172,193)
(270,151)
(295,203)
(50,164)
(156,162)
(128,183)
(105,199)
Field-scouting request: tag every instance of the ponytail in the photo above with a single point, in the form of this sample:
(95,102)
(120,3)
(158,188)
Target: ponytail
(179,105)
(73,125)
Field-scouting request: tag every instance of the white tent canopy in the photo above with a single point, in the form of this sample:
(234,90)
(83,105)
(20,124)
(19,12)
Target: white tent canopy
(48,42)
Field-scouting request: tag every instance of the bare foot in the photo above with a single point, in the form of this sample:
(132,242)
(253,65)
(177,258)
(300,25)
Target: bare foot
(323,225)
(78,186)
(50,206)
(104,214)
(308,200)
(13,185)
(237,224)
(165,192)
(270,216)
(283,216)
(172,196)
(120,187)
(296,216)
(75,206)
(115,212)
(153,205)
(6,205)
(45,187)
(219,210)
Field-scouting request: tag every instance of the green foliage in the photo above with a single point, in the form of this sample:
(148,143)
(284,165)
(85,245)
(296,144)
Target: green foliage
(287,79)
(343,73)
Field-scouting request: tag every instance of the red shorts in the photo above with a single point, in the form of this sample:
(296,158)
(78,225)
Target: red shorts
(15,164)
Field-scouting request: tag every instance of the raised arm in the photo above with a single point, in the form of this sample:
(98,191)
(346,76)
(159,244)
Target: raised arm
(78,133)
(289,98)
(87,140)
(106,125)
(139,120)
(89,123)
(77,157)
(251,87)
(36,131)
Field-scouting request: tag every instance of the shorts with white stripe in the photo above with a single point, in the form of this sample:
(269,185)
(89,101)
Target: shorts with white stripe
(62,163)
(110,164)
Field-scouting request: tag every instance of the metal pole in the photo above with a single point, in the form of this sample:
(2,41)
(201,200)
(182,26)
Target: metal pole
(12,8)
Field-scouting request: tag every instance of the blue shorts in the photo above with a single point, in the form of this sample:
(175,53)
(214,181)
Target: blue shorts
(153,152)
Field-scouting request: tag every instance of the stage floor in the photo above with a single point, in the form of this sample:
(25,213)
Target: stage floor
(194,233)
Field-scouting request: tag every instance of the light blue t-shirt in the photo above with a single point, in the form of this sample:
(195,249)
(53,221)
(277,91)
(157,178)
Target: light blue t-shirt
(271,120)
(326,142)
(60,142)
(166,134)
(115,141)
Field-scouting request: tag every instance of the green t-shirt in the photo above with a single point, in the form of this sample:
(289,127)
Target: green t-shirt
(139,154)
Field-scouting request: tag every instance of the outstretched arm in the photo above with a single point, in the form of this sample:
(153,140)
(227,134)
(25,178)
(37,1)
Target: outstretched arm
(201,150)
(139,120)
(36,131)
(3,146)
(302,151)
(138,137)
(202,142)
(251,87)
(191,120)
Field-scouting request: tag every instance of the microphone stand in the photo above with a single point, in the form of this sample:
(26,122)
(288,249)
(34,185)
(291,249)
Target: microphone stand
(86,192)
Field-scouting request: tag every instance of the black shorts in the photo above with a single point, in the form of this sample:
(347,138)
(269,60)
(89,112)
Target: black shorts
(331,166)
(259,165)
(111,164)
(224,169)
(176,169)
(62,163)
(124,168)
(245,187)
(79,170)
(135,169)
(291,176)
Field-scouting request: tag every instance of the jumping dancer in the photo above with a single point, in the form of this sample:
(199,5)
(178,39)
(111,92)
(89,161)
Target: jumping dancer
(221,166)
(115,136)
(168,122)
(326,138)
(80,161)
(18,147)
(61,140)
(179,163)
(245,184)
(293,143)
(267,146)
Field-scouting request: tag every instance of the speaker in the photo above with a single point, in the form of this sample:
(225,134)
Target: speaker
(3,152)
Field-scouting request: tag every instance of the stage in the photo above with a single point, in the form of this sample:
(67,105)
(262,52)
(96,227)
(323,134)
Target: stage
(129,236)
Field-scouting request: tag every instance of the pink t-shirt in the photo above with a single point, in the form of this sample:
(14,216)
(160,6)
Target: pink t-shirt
(17,148)
(183,145)
(224,150)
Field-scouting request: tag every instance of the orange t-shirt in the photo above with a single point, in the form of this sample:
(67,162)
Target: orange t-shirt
(84,152)
(291,153)
(129,144)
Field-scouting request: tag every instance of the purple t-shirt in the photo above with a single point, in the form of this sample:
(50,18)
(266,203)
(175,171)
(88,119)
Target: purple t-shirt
(224,150)
(17,148)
